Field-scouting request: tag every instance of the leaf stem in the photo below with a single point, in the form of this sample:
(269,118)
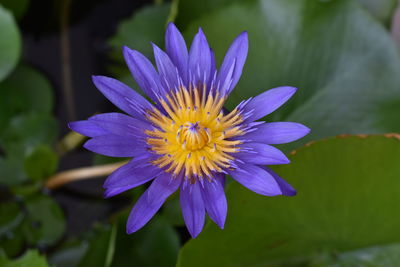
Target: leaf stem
(65,60)
(73,175)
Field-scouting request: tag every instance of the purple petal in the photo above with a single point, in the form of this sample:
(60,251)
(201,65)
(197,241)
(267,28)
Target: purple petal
(261,154)
(121,124)
(123,96)
(193,209)
(232,66)
(149,203)
(213,69)
(215,200)
(256,179)
(87,128)
(144,73)
(200,59)
(277,132)
(267,102)
(116,146)
(110,192)
(132,174)
(287,189)
(167,70)
(176,49)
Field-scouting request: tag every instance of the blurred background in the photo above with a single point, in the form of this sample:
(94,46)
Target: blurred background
(343,55)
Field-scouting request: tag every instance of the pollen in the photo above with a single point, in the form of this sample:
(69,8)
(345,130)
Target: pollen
(192,135)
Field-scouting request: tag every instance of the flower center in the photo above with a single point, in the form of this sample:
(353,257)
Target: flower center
(192,135)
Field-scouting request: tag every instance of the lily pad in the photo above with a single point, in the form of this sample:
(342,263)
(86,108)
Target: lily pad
(145,26)
(345,64)
(347,194)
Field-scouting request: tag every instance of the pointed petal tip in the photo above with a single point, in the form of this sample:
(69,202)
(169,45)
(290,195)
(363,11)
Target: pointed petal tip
(88,145)
(221,224)
(289,89)
(194,234)
(106,194)
(171,26)
(244,35)
(97,78)
(131,230)
(71,125)
(305,129)
(291,193)
(126,51)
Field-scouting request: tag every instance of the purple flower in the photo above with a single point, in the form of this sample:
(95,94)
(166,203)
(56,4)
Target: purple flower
(184,139)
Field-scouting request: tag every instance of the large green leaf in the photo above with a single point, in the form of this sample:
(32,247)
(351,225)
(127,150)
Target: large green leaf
(190,10)
(381,9)
(347,194)
(145,26)
(10,43)
(379,256)
(344,63)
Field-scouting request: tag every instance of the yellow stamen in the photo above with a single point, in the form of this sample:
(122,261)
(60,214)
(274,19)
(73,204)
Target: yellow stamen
(193,135)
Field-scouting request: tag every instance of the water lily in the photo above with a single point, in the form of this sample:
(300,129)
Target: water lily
(183,138)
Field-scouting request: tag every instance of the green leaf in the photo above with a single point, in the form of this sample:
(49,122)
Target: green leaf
(380,256)
(69,254)
(41,163)
(145,26)
(344,63)
(157,244)
(172,210)
(190,10)
(10,216)
(347,188)
(10,43)
(101,245)
(19,139)
(380,9)
(11,168)
(25,90)
(31,258)
(29,130)
(45,223)
(12,245)
(101,159)
(18,7)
